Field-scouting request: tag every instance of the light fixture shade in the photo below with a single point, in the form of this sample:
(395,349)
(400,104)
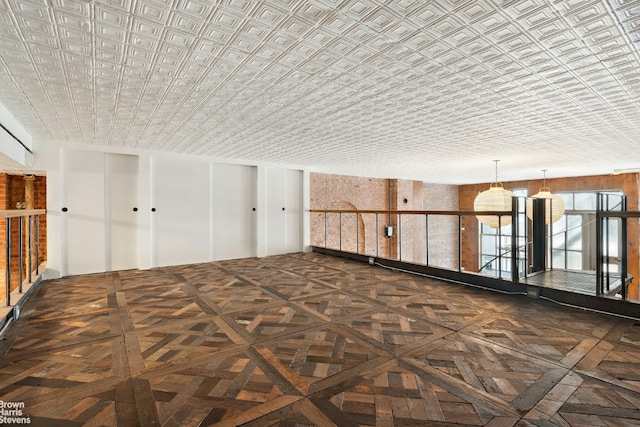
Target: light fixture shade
(554,205)
(495,198)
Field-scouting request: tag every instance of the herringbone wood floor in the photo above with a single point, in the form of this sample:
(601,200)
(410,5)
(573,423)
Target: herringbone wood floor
(308,339)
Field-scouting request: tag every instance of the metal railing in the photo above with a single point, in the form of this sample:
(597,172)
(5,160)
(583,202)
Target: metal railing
(604,215)
(342,231)
(28,245)
(515,259)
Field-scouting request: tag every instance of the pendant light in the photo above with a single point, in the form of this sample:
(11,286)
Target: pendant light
(496,198)
(553,207)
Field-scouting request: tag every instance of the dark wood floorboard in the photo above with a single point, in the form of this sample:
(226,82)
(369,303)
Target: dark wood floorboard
(311,340)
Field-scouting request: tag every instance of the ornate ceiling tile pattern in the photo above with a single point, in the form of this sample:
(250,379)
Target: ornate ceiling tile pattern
(401,88)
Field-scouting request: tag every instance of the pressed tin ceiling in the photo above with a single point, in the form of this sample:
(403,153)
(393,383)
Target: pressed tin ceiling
(427,90)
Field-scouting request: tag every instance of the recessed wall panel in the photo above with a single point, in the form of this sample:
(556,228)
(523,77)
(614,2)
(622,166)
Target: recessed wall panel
(180,217)
(283,222)
(233,218)
(121,185)
(82,212)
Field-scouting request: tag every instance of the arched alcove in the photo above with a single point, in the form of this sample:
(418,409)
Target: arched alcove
(347,228)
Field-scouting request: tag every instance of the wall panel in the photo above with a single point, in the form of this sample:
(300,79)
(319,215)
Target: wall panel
(180,218)
(82,212)
(121,195)
(233,219)
(283,219)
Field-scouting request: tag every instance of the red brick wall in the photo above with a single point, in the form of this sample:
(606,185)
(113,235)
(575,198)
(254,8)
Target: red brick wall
(4,203)
(443,230)
(12,189)
(40,202)
(4,190)
(348,192)
(404,198)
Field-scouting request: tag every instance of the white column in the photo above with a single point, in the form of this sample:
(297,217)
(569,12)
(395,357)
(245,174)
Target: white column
(50,160)
(306,206)
(145,257)
(261,208)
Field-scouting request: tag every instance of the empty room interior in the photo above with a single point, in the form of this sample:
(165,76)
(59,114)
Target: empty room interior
(320,213)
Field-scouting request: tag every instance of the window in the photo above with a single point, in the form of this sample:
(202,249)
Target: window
(572,244)
(495,244)
(573,240)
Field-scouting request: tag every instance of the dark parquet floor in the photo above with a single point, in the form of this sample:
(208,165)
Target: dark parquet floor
(308,339)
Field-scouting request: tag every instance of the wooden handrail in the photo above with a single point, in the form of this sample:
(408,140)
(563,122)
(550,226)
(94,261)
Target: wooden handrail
(619,214)
(14,213)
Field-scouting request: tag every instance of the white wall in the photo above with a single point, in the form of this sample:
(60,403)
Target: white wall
(82,212)
(180,211)
(230,200)
(233,211)
(121,211)
(48,159)
(11,152)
